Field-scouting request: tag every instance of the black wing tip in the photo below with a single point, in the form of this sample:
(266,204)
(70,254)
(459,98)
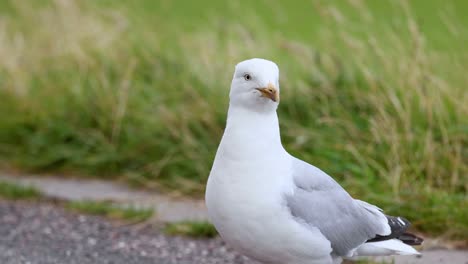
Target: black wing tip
(398,226)
(411,239)
(398,222)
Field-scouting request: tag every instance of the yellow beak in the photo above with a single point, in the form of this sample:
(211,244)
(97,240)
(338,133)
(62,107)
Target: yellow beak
(269,92)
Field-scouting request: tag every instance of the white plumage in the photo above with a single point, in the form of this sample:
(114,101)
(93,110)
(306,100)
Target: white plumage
(273,207)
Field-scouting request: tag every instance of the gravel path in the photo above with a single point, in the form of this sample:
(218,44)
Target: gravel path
(169,209)
(38,233)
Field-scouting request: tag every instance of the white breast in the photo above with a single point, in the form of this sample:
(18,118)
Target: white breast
(245,194)
(245,200)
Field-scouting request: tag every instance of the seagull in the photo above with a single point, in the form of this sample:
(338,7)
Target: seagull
(278,209)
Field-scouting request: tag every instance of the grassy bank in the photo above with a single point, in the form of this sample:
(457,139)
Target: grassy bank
(139,92)
(15,192)
(110,210)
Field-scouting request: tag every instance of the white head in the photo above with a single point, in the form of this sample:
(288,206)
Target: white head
(255,85)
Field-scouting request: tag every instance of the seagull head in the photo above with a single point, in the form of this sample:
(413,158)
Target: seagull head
(255,85)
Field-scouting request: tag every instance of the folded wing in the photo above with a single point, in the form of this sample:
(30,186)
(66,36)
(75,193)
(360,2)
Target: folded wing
(320,201)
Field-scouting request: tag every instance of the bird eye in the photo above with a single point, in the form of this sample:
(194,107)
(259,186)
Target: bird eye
(247,77)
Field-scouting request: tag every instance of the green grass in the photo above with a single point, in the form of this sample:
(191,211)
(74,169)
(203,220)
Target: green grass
(110,210)
(373,92)
(13,191)
(191,229)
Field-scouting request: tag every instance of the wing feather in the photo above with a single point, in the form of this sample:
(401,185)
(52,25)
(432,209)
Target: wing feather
(321,202)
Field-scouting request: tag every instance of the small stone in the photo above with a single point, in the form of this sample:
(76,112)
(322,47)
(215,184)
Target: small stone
(121,244)
(91,241)
(82,218)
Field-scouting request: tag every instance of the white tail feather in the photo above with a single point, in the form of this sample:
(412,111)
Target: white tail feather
(385,248)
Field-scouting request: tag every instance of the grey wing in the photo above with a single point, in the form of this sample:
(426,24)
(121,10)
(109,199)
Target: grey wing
(320,201)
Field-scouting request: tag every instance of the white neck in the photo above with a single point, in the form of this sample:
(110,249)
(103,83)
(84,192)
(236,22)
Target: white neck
(254,131)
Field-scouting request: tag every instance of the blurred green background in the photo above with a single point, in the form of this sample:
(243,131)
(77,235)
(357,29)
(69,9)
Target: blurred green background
(373,92)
